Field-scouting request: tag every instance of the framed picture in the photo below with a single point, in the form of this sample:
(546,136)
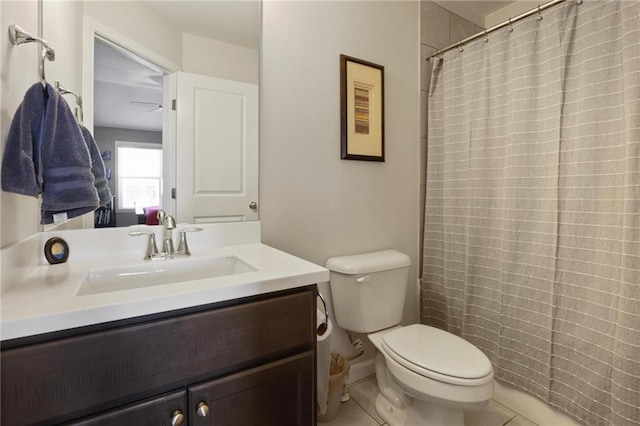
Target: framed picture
(361,109)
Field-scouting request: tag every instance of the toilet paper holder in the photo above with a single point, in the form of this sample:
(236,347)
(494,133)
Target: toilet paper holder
(322,328)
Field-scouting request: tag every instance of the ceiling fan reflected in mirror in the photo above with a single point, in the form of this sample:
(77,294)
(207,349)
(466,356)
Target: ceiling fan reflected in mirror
(151,106)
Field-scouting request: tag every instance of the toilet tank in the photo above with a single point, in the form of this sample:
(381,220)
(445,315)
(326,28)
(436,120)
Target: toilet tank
(368,289)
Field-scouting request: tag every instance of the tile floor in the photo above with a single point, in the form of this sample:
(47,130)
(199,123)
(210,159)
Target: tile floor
(360,410)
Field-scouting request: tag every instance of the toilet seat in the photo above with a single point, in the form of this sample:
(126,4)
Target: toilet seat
(438,355)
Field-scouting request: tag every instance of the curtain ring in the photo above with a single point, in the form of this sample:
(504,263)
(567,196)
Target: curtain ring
(460,48)
(486,36)
(539,14)
(510,27)
(578,2)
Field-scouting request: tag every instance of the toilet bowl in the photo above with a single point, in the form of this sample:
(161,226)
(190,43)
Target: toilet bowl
(439,374)
(426,376)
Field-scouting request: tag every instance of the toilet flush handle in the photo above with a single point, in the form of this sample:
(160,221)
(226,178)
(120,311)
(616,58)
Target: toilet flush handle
(364,279)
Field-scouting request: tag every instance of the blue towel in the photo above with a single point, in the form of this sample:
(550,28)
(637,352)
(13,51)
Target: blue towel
(46,153)
(97,168)
(21,171)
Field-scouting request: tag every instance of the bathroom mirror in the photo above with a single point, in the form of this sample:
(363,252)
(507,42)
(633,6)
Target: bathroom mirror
(138,57)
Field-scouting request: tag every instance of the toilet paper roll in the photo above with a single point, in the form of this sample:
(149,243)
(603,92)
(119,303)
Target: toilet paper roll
(324,362)
(320,319)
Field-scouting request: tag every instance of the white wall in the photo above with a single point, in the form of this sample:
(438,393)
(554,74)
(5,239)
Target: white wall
(218,59)
(139,24)
(313,204)
(19,214)
(62,28)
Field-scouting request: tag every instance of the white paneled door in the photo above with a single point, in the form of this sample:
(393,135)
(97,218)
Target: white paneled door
(216,149)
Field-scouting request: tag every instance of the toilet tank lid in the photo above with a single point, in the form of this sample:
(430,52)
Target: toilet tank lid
(368,262)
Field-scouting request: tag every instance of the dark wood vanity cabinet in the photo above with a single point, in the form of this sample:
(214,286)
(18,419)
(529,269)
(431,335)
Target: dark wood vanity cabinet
(150,412)
(247,362)
(273,395)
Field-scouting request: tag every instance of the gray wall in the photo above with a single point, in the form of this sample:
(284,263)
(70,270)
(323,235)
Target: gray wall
(313,204)
(106,138)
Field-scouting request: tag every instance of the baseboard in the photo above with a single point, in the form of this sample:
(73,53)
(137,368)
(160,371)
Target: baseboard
(361,370)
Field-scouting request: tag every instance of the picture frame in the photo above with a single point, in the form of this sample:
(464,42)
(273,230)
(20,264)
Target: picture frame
(361,109)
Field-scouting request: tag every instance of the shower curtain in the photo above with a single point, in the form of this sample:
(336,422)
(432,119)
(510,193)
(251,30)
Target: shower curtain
(532,217)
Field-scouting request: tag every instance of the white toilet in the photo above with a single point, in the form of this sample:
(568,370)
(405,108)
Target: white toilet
(426,376)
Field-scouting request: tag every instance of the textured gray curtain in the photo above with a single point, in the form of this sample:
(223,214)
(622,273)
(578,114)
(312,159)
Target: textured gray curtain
(532,219)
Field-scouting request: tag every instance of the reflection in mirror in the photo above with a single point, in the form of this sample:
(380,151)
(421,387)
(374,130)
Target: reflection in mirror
(144,54)
(127,125)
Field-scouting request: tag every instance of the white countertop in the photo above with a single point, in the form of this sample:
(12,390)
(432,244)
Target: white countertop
(46,300)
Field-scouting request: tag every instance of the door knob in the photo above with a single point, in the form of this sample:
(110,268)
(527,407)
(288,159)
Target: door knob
(177,418)
(253,205)
(202,409)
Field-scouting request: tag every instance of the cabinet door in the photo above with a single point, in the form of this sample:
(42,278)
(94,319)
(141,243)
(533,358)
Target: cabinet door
(276,394)
(163,410)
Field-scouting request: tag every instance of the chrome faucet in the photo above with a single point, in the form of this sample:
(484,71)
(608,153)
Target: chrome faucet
(183,247)
(152,248)
(168,224)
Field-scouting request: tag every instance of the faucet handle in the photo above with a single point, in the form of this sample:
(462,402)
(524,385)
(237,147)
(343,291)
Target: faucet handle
(183,247)
(169,222)
(152,247)
(160,215)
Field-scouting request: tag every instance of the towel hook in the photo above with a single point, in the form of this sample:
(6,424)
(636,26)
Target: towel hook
(79,112)
(19,36)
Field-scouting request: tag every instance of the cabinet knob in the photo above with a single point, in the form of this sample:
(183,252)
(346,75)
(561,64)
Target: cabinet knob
(202,409)
(177,418)
(253,205)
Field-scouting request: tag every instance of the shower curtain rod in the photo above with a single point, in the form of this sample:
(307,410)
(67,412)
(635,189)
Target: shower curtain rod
(508,22)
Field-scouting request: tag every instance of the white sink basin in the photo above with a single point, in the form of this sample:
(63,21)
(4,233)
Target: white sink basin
(158,272)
